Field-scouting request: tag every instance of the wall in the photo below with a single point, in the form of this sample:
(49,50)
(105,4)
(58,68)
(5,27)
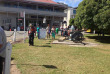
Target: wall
(6,19)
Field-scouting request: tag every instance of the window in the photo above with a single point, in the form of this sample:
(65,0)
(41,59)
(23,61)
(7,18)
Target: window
(6,21)
(7,4)
(74,11)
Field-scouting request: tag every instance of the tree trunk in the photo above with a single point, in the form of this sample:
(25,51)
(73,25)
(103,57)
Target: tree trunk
(103,34)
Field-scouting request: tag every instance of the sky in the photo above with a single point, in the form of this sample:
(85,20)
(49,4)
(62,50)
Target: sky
(72,3)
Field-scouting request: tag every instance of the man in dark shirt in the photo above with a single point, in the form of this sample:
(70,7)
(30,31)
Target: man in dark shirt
(31,32)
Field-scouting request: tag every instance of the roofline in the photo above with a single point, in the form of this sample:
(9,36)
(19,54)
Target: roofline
(75,7)
(42,2)
(36,2)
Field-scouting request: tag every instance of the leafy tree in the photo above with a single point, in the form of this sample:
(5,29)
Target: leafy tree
(71,22)
(93,14)
(103,17)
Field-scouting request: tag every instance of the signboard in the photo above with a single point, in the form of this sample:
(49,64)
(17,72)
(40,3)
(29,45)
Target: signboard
(42,33)
(22,14)
(19,19)
(44,20)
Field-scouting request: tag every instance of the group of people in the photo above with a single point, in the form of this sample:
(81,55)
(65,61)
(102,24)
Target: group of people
(50,31)
(32,33)
(67,30)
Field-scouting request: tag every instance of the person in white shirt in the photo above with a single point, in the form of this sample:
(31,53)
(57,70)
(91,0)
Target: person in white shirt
(18,28)
(2,48)
(61,28)
(48,31)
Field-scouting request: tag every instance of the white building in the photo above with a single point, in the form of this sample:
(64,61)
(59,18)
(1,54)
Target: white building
(36,11)
(71,13)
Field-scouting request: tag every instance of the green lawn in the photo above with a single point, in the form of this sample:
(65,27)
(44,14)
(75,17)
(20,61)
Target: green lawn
(47,58)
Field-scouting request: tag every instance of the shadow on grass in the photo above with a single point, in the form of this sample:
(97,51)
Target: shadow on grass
(50,66)
(42,46)
(12,58)
(52,39)
(48,43)
(46,66)
(105,39)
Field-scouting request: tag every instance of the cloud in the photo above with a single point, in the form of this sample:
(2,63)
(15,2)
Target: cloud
(73,1)
(63,2)
(69,2)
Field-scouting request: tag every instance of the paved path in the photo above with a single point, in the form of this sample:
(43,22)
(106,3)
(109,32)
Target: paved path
(71,43)
(14,69)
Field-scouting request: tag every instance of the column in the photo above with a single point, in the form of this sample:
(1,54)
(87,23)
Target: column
(52,22)
(28,20)
(18,15)
(7,14)
(37,19)
(18,5)
(37,7)
(18,20)
(53,9)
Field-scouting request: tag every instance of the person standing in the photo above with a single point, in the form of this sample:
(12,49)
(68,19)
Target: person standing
(61,28)
(72,28)
(38,31)
(53,32)
(65,32)
(31,33)
(2,48)
(9,27)
(57,30)
(48,31)
(18,28)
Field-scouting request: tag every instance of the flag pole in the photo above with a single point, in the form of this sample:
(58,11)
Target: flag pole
(24,25)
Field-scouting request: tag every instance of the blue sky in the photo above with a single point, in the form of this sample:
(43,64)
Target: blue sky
(73,3)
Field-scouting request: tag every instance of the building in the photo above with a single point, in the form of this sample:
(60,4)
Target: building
(35,12)
(74,12)
(71,13)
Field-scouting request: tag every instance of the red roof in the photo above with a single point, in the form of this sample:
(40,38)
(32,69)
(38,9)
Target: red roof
(45,1)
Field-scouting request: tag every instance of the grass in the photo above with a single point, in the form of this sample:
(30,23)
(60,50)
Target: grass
(47,58)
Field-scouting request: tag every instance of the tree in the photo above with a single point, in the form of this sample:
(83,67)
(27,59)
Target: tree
(103,17)
(93,14)
(71,22)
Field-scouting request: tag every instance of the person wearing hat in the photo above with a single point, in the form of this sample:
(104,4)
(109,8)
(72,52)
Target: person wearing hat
(31,33)
(2,48)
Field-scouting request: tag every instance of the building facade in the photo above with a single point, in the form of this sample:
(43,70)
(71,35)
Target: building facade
(35,12)
(71,13)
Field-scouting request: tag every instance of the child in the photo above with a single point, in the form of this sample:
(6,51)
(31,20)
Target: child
(53,32)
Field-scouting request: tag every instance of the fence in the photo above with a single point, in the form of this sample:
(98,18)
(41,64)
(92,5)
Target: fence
(14,35)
